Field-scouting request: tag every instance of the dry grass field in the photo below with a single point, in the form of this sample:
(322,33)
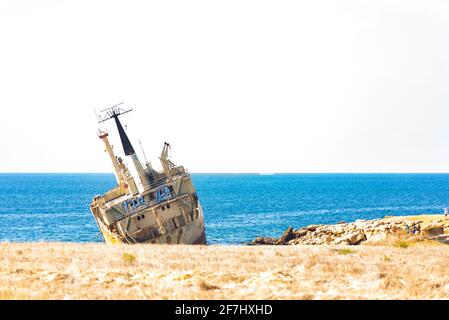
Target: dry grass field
(98,271)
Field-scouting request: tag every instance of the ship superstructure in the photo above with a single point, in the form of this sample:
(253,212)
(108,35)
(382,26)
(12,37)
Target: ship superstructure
(147,206)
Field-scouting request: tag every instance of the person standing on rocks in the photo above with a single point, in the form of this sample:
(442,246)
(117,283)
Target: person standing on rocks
(445,212)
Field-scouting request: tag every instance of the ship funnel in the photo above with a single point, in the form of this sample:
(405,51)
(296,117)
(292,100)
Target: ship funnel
(127,146)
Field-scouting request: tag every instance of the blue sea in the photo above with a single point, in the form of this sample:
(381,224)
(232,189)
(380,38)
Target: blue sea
(237,207)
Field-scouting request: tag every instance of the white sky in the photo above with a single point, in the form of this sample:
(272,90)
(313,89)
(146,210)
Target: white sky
(234,86)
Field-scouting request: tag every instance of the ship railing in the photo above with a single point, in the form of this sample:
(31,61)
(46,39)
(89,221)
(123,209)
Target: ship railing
(113,194)
(157,183)
(164,180)
(132,210)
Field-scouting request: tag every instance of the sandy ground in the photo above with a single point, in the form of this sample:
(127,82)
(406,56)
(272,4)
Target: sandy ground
(98,271)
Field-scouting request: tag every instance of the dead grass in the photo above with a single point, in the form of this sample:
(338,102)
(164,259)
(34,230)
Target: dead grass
(128,258)
(345,251)
(402,244)
(206,286)
(97,271)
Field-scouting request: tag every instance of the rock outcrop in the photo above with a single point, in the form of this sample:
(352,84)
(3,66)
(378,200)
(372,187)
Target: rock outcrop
(363,231)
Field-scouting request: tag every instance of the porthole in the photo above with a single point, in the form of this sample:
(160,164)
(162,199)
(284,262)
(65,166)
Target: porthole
(138,218)
(143,216)
(168,206)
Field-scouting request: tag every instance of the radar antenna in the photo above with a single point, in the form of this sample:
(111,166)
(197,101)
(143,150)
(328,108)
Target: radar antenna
(112,112)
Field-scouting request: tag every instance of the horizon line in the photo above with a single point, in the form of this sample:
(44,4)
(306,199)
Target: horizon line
(258,173)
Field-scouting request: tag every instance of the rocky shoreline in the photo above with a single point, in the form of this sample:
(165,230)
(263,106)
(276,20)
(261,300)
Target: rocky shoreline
(377,231)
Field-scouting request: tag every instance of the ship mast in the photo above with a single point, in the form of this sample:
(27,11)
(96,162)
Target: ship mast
(114,113)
